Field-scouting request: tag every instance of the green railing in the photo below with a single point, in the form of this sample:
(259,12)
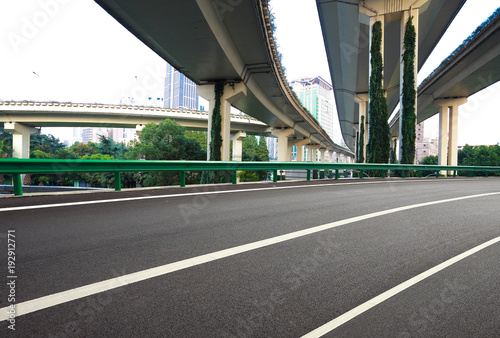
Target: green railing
(16,167)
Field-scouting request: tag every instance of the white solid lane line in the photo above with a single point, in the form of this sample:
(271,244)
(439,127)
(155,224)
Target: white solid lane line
(342,319)
(113,283)
(126,199)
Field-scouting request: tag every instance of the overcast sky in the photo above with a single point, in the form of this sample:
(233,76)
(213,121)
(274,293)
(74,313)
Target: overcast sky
(68,50)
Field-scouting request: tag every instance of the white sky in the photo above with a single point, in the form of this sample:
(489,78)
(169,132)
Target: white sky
(68,50)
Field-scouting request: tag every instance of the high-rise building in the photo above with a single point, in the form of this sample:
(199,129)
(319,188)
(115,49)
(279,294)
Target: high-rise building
(317,96)
(180,92)
(424,146)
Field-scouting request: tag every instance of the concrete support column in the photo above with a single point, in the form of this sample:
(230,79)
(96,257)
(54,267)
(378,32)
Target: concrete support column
(300,143)
(20,138)
(404,20)
(312,152)
(282,135)
(453,136)
(238,145)
(139,128)
(448,130)
(327,156)
(322,152)
(231,94)
(362,100)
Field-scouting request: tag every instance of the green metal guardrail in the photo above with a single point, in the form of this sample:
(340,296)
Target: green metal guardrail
(16,167)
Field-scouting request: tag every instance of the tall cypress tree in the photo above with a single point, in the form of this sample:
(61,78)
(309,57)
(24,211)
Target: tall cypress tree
(361,143)
(409,96)
(379,133)
(216,138)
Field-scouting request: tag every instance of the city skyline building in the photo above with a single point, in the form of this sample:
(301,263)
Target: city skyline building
(424,146)
(316,95)
(180,92)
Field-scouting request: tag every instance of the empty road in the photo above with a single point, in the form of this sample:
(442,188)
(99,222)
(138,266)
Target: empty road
(348,258)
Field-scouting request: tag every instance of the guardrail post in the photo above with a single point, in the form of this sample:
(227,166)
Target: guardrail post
(275,175)
(337,174)
(470,173)
(437,174)
(361,173)
(18,184)
(486,172)
(118,181)
(402,173)
(321,174)
(454,173)
(383,173)
(235,177)
(183,178)
(420,174)
(308,174)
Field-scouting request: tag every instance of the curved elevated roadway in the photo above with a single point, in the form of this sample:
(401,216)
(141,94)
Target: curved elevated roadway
(224,41)
(473,67)
(346,30)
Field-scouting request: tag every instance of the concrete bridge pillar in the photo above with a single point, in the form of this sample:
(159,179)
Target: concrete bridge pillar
(322,152)
(139,128)
(312,149)
(300,143)
(282,135)
(238,145)
(448,130)
(328,157)
(362,100)
(232,93)
(20,138)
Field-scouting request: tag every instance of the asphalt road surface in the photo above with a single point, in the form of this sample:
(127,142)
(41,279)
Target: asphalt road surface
(348,258)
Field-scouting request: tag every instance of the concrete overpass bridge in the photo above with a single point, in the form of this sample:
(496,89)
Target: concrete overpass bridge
(346,27)
(23,118)
(472,67)
(227,42)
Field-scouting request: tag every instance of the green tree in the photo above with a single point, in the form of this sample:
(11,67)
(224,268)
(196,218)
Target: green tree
(82,149)
(250,145)
(361,142)
(409,96)
(379,133)
(46,143)
(200,136)
(254,150)
(262,151)
(5,151)
(166,141)
(429,160)
(108,146)
(5,148)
